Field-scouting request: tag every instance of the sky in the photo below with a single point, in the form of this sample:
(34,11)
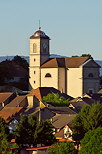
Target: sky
(74,26)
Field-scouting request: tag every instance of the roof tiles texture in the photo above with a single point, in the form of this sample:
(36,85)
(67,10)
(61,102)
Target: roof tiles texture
(69,62)
(44,91)
(8,112)
(5,96)
(16,102)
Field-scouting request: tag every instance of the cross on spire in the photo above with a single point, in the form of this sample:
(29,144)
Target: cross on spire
(39,25)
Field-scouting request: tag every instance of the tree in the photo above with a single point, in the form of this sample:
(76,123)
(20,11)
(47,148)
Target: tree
(5,73)
(56,100)
(86,55)
(92,142)
(4,137)
(89,118)
(30,131)
(62,148)
(45,133)
(21,61)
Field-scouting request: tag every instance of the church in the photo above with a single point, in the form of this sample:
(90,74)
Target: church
(71,75)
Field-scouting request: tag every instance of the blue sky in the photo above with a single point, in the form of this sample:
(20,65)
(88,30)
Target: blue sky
(74,26)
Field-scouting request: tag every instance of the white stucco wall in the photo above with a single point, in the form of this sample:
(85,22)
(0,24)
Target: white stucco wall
(61,79)
(49,81)
(74,84)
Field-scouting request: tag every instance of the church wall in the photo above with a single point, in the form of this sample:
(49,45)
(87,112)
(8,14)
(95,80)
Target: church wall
(94,71)
(93,82)
(74,84)
(49,81)
(61,79)
(37,42)
(34,79)
(34,60)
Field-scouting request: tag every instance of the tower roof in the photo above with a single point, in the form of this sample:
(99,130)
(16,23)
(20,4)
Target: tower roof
(39,34)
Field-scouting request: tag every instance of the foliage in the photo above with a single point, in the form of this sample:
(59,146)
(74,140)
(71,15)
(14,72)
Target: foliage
(5,73)
(62,148)
(83,55)
(56,100)
(30,131)
(21,61)
(86,55)
(92,142)
(89,118)
(4,137)
(45,133)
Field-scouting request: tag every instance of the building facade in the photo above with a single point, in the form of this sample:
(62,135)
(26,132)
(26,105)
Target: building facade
(73,76)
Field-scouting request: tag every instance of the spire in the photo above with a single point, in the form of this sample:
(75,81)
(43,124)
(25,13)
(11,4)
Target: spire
(39,25)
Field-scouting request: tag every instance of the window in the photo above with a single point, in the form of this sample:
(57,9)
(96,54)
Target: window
(90,75)
(48,75)
(34,72)
(34,59)
(34,81)
(90,90)
(34,47)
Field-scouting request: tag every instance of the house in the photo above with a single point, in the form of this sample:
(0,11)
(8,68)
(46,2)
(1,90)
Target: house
(11,115)
(71,75)
(6,98)
(63,125)
(77,103)
(18,101)
(35,96)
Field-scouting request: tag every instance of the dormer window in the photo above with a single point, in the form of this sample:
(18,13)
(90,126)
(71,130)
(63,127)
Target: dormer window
(90,75)
(48,75)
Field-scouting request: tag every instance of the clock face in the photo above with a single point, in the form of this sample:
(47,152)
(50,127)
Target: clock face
(44,45)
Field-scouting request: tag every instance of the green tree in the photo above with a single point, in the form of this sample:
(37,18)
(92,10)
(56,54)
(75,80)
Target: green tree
(89,118)
(21,61)
(45,133)
(56,100)
(62,148)
(92,142)
(4,137)
(5,73)
(86,55)
(30,131)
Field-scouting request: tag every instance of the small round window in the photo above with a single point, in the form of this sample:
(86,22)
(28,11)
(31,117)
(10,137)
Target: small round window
(48,75)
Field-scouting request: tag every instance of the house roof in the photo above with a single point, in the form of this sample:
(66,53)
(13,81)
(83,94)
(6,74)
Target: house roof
(59,121)
(62,110)
(5,96)
(8,112)
(44,91)
(16,70)
(16,102)
(100,91)
(68,62)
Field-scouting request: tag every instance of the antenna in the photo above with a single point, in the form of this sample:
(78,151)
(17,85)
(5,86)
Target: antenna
(39,25)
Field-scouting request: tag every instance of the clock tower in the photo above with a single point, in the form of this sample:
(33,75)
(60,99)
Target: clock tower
(39,53)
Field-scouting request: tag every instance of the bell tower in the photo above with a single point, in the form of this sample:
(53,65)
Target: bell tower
(39,53)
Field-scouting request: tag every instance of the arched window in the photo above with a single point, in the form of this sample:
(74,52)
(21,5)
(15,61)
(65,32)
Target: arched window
(48,75)
(90,75)
(34,47)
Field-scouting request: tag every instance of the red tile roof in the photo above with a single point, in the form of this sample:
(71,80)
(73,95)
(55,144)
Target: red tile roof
(8,112)
(5,96)
(72,62)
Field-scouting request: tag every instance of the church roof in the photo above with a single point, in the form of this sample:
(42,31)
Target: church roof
(69,62)
(39,34)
